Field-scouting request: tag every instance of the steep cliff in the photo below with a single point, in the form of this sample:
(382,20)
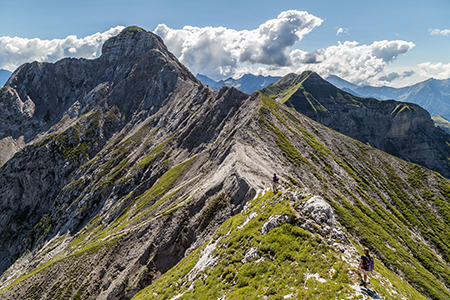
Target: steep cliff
(398,128)
(134,173)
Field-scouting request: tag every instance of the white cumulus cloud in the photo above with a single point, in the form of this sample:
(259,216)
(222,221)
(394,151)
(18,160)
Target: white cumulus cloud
(351,61)
(216,51)
(15,51)
(220,52)
(341,30)
(437,70)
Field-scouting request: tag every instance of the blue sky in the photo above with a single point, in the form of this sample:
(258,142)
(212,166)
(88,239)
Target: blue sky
(418,30)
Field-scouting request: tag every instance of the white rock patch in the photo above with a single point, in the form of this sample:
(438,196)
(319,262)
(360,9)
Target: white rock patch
(251,216)
(206,260)
(273,222)
(316,276)
(177,296)
(250,255)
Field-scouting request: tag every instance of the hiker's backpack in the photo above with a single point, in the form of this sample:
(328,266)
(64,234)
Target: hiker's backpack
(368,263)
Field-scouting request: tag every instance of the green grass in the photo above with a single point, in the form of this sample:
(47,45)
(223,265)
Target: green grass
(286,254)
(384,209)
(162,185)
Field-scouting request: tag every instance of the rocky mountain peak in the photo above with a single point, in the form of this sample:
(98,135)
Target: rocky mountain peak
(135,74)
(314,78)
(287,77)
(145,165)
(132,41)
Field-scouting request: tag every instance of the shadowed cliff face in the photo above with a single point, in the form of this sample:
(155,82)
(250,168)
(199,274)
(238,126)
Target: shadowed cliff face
(401,129)
(143,164)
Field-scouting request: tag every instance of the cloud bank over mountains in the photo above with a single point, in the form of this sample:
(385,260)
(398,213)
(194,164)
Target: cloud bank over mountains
(437,70)
(270,49)
(349,60)
(15,51)
(220,52)
(394,75)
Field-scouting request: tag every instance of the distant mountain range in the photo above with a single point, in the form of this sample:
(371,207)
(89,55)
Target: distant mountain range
(247,83)
(431,94)
(4,75)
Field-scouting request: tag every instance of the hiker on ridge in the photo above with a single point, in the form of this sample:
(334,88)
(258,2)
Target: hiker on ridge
(275,182)
(365,267)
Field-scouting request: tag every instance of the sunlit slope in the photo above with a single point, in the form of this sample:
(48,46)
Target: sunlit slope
(247,258)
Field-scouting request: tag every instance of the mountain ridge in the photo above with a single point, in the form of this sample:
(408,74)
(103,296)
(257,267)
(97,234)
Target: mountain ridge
(142,171)
(401,129)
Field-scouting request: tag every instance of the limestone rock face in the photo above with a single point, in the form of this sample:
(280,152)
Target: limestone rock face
(273,222)
(127,164)
(135,116)
(402,129)
(133,65)
(321,218)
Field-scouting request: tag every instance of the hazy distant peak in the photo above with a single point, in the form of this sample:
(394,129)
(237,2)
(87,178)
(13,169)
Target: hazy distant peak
(4,75)
(205,79)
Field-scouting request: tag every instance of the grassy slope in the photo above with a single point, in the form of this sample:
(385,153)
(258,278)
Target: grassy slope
(398,212)
(442,122)
(286,255)
(298,94)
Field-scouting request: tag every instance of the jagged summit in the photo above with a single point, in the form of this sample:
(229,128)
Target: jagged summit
(285,78)
(143,164)
(134,73)
(133,41)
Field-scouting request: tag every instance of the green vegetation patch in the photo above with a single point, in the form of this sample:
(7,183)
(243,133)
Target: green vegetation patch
(285,255)
(212,207)
(290,262)
(162,185)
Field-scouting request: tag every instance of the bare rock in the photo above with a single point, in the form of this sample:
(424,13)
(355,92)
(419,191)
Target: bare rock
(321,212)
(250,255)
(274,221)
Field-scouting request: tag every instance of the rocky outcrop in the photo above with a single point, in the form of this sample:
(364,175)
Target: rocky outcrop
(320,218)
(398,128)
(140,165)
(135,116)
(273,222)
